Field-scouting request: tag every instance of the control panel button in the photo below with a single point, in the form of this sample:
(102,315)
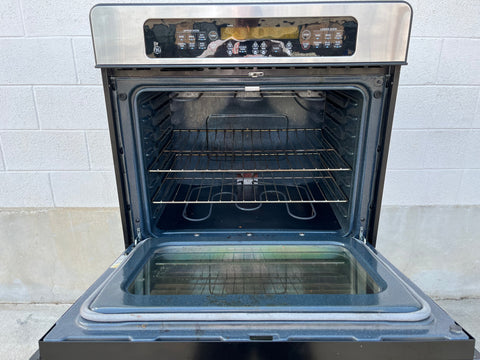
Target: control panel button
(191,38)
(202,36)
(263,45)
(202,45)
(242,49)
(213,35)
(255,45)
(328,44)
(305,45)
(306,34)
(263,52)
(289,45)
(317,44)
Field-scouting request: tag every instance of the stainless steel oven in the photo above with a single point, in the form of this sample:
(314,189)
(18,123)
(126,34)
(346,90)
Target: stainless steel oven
(250,144)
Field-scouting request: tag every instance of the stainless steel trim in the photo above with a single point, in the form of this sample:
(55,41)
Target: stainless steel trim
(383,31)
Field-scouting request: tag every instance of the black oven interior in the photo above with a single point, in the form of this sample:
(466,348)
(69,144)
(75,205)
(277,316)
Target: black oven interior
(240,160)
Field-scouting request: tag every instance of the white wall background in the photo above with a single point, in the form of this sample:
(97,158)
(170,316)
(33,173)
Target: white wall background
(54,144)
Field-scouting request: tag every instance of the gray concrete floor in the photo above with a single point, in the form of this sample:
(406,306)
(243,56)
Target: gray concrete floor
(21,325)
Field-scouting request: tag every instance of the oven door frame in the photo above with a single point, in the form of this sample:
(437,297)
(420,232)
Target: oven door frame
(378,85)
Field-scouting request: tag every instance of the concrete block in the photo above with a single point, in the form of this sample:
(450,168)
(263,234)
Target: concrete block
(423,55)
(37,61)
(435,107)
(57,17)
(84,189)
(472,150)
(11,23)
(404,187)
(18,108)
(66,251)
(476,119)
(44,150)
(2,163)
(27,189)
(435,246)
(460,61)
(71,107)
(446,18)
(85,61)
(469,193)
(407,149)
(442,187)
(99,150)
(446,149)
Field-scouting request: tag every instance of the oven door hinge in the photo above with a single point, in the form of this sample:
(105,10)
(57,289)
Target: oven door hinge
(138,238)
(361,235)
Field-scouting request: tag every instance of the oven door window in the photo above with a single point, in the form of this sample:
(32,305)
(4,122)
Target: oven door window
(224,281)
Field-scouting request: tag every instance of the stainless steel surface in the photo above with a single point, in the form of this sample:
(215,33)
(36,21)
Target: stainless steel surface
(383,31)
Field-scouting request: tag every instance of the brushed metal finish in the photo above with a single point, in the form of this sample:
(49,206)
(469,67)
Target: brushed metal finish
(383,31)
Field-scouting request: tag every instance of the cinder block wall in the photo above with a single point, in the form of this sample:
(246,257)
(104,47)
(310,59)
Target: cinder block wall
(54,145)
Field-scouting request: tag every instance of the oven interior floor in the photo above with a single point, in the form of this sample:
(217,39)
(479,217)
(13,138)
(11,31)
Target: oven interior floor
(253,270)
(306,216)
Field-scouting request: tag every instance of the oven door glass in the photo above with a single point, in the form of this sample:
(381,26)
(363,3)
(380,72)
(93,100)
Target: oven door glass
(328,280)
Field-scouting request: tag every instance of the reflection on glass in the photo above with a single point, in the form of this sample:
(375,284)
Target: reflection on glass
(253,270)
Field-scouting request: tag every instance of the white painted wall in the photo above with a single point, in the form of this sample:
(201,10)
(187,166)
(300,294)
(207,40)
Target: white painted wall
(54,146)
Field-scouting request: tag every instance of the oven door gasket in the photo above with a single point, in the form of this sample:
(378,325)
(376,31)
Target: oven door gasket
(115,315)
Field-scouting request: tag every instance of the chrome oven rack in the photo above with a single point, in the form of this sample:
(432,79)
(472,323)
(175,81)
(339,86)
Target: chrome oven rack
(233,166)
(248,150)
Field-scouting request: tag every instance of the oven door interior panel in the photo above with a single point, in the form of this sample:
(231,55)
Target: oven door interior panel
(176,289)
(238,280)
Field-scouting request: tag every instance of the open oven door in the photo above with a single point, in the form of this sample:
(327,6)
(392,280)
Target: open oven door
(198,298)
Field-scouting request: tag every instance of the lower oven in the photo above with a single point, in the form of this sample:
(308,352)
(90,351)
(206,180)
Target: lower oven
(250,190)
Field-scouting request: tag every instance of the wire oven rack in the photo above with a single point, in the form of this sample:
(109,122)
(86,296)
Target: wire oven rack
(248,150)
(247,166)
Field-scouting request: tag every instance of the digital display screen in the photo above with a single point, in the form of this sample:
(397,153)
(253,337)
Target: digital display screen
(259,33)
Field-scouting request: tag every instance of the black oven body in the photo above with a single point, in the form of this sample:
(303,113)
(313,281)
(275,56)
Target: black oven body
(250,194)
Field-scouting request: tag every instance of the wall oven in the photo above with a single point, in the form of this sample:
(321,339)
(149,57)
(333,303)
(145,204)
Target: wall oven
(250,145)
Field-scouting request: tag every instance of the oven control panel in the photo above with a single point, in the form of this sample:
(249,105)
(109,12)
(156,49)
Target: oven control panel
(250,37)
